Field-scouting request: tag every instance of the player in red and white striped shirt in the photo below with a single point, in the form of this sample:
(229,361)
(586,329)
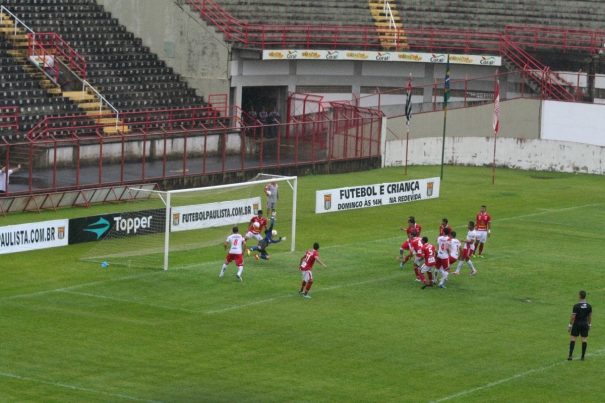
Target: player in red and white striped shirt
(236,244)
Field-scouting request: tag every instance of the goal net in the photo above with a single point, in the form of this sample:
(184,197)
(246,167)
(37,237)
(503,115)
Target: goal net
(187,227)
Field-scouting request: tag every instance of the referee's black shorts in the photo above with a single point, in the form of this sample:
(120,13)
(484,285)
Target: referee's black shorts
(579,330)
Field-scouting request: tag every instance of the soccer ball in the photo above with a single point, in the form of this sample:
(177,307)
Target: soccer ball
(274,233)
(256,225)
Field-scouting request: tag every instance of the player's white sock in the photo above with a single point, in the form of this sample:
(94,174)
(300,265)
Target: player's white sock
(471,265)
(223,270)
(240,270)
(444,275)
(459,267)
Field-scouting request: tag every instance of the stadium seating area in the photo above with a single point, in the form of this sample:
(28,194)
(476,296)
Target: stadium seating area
(119,66)
(493,15)
(490,15)
(19,88)
(340,12)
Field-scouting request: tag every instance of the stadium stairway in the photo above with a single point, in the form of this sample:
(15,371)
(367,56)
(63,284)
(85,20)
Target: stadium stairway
(128,75)
(389,25)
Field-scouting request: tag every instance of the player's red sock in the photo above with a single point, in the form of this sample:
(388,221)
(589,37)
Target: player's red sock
(309,284)
(481,248)
(422,278)
(430,276)
(418,274)
(302,286)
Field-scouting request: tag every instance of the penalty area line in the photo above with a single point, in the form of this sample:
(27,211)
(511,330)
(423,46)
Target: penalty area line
(466,392)
(74,387)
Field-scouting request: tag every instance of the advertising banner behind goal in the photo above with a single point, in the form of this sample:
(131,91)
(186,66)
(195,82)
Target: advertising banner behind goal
(381,194)
(38,235)
(185,218)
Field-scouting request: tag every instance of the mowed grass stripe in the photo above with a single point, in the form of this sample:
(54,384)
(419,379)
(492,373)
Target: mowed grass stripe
(369,333)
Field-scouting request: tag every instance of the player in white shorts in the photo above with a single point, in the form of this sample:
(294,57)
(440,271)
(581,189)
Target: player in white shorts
(468,250)
(235,243)
(443,256)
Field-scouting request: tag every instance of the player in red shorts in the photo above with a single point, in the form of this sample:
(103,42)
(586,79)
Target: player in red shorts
(443,256)
(483,229)
(412,227)
(306,268)
(468,250)
(430,261)
(454,248)
(236,244)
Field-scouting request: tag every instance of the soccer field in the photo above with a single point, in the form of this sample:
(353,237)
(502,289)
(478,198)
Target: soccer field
(72,331)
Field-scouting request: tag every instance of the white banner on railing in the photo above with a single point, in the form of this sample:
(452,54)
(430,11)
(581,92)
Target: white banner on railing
(32,236)
(185,218)
(381,194)
(363,55)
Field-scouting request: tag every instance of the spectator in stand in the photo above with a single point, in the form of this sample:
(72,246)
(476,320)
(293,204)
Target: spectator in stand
(274,119)
(5,174)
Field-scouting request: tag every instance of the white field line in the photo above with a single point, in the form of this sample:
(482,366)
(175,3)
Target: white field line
(74,387)
(290,295)
(466,392)
(36,293)
(129,301)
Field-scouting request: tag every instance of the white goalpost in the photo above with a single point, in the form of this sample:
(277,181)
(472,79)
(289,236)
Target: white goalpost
(201,217)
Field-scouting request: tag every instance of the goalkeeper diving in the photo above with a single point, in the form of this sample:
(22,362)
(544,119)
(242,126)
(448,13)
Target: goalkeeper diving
(264,243)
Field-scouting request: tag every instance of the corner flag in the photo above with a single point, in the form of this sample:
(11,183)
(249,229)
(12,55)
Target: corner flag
(497,108)
(446,89)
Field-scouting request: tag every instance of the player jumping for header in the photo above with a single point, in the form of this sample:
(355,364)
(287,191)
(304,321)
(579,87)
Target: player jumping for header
(265,242)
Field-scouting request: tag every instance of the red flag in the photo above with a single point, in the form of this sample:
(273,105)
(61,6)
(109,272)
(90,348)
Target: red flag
(497,108)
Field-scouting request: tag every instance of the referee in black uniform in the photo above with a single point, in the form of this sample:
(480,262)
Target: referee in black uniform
(579,324)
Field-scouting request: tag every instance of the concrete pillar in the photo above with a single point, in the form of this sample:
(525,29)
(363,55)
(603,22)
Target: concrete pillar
(429,75)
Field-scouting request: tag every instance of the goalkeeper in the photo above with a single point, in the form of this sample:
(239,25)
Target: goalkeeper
(264,243)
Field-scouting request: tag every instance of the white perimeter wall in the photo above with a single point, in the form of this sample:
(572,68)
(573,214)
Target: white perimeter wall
(571,138)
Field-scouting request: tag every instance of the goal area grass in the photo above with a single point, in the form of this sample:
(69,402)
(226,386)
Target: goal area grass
(74,331)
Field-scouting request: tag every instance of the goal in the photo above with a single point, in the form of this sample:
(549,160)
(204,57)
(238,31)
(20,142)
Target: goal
(187,227)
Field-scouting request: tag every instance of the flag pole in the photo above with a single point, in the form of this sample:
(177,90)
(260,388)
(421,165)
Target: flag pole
(408,115)
(496,124)
(446,94)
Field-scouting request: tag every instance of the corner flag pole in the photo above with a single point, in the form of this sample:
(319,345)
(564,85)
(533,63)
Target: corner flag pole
(446,94)
(496,124)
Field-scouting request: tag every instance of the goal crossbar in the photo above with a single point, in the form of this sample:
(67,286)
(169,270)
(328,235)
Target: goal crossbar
(165,196)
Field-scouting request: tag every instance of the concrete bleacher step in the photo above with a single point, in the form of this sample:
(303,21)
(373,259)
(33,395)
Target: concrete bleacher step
(389,28)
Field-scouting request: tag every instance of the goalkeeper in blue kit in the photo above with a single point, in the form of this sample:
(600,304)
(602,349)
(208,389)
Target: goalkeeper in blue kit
(264,243)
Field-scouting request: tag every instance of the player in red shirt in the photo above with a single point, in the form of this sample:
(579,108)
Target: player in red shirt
(443,226)
(416,249)
(483,229)
(412,227)
(406,245)
(306,268)
(430,261)
(257,225)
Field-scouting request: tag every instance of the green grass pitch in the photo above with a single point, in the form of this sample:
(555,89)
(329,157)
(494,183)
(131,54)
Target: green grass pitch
(73,332)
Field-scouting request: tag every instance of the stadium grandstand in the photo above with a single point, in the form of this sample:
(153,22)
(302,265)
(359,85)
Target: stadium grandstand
(101,94)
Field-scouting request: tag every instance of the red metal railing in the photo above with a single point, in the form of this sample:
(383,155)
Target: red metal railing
(177,143)
(563,38)
(267,36)
(549,84)
(10,117)
(50,43)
